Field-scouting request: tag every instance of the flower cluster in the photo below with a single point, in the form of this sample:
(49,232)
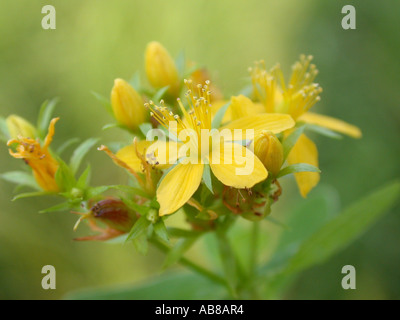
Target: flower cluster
(215,158)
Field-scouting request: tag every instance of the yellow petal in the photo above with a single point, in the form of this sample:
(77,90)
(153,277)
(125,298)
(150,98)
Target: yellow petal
(242,170)
(332,124)
(305,151)
(178,186)
(274,122)
(241,107)
(129,156)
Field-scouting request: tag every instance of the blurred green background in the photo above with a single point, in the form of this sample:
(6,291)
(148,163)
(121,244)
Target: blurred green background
(97,41)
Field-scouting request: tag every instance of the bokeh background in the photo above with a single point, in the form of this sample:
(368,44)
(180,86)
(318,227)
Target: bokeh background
(97,41)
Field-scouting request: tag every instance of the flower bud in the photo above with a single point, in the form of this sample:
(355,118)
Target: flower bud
(115,214)
(160,68)
(269,150)
(127,105)
(19,127)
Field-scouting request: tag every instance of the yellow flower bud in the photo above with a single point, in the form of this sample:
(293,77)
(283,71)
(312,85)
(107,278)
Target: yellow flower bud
(19,127)
(269,150)
(127,105)
(160,68)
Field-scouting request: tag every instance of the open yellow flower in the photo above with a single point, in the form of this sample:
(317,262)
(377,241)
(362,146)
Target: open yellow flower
(38,157)
(181,182)
(294,98)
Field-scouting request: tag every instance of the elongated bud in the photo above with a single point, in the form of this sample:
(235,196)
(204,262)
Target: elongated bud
(19,127)
(127,105)
(160,68)
(115,214)
(111,217)
(269,150)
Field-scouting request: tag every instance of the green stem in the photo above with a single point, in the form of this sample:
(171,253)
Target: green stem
(190,264)
(254,248)
(254,259)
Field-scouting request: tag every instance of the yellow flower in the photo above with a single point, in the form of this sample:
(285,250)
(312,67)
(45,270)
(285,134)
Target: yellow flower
(160,68)
(296,98)
(38,157)
(19,127)
(181,182)
(269,150)
(127,105)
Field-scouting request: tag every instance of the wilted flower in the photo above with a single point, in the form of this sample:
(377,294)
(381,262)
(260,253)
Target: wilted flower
(38,157)
(111,212)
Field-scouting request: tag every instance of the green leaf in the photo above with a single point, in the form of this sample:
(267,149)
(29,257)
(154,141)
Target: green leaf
(291,140)
(64,206)
(64,176)
(160,230)
(182,233)
(141,244)
(31,194)
(138,228)
(180,63)
(104,102)
(159,94)
(21,178)
(84,179)
(207,177)
(345,228)
(142,210)
(216,122)
(111,126)
(66,145)
(135,81)
(172,286)
(298,167)
(4,134)
(45,114)
(80,152)
(145,127)
(178,250)
(323,131)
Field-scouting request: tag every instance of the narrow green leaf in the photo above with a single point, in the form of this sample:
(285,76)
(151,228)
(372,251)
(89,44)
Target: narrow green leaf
(291,140)
(45,114)
(64,206)
(135,81)
(323,131)
(141,244)
(172,286)
(64,176)
(21,178)
(80,152)
(66,145)
(142,210)
(182,233)
(110,126)
(180,63)
(138,228)
(178,250)
(216,122)
(160,230)
(297,167)
(145,127)
(159,94)
(345,228)
(84,179)
(4,135)
(31,194)
(207,177)
(104,102)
